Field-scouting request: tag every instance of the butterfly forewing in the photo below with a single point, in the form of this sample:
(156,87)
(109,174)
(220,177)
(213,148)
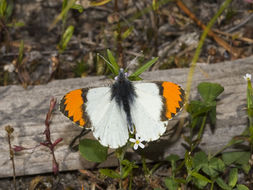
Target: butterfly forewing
(72,106)
(108,120)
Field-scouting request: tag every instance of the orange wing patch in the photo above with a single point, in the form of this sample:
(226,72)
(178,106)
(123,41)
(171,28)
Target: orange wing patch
(174,98)
(72,106)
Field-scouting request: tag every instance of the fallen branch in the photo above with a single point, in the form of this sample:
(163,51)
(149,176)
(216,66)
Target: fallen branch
(234,51)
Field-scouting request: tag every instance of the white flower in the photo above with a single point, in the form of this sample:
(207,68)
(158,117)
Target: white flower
(247,77)
(137,142)
(9,67)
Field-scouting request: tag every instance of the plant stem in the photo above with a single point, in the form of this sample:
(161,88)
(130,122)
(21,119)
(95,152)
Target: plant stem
(120,153)
(9,131)
(200,133)
(145,169)
(199,48)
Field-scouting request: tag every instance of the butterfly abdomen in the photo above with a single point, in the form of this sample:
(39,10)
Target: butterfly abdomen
(124,93)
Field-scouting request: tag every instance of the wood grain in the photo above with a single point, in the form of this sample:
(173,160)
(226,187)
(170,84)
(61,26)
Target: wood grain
(25,111)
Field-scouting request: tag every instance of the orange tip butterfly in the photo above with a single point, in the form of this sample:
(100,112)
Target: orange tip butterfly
(141,108)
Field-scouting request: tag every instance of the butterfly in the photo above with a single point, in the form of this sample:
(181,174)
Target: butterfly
(112,112)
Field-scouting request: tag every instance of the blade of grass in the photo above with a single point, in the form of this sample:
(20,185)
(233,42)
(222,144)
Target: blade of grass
(199,47)
(61,15)
(143,68)
(113,62)
(99,3)
(197,53)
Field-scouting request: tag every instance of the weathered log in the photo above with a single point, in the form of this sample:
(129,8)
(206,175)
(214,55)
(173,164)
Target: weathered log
(25,111)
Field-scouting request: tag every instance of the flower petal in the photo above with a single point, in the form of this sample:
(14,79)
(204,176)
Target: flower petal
(135,146)
(141,145)
(138,137)
(247,77)
(132,140)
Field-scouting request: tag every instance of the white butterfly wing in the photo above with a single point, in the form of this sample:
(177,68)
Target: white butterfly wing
(107,119)
(146,112)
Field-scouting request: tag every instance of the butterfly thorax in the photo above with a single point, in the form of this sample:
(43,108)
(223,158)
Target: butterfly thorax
(124,93)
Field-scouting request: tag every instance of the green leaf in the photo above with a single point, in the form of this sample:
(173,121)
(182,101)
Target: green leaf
(77,7)
(171,184)
(236,157)
(217,164)
(126,171)
(92,150)
(126,163)
(209,91)
(99,3)
(199,160)
(16,24)
(233,177)
(127,33)
(9,9)
(246,168)
(135,75)
(113,66)
(172,157)
(201,177)
(128,167)
(222,184)
(67,4)
(197,108)
(110,173)
(199,183)
(21,52)
(249,95)
(188,161)
(3,6)
(64,4)
(66,37)
(80,68)
(214,166)
(241,187)
(212,115)
(155,167)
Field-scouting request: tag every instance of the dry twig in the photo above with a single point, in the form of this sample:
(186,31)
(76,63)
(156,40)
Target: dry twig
(234,51)
(48,143)
(9,131)
(248,40)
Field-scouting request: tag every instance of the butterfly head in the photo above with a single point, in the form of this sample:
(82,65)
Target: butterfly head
(122,76)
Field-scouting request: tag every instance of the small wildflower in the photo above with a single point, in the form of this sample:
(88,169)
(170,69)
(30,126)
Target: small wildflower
(247,77)
(9,68)
(137,142)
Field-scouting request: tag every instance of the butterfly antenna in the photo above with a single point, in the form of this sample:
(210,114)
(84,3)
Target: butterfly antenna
(133,61)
